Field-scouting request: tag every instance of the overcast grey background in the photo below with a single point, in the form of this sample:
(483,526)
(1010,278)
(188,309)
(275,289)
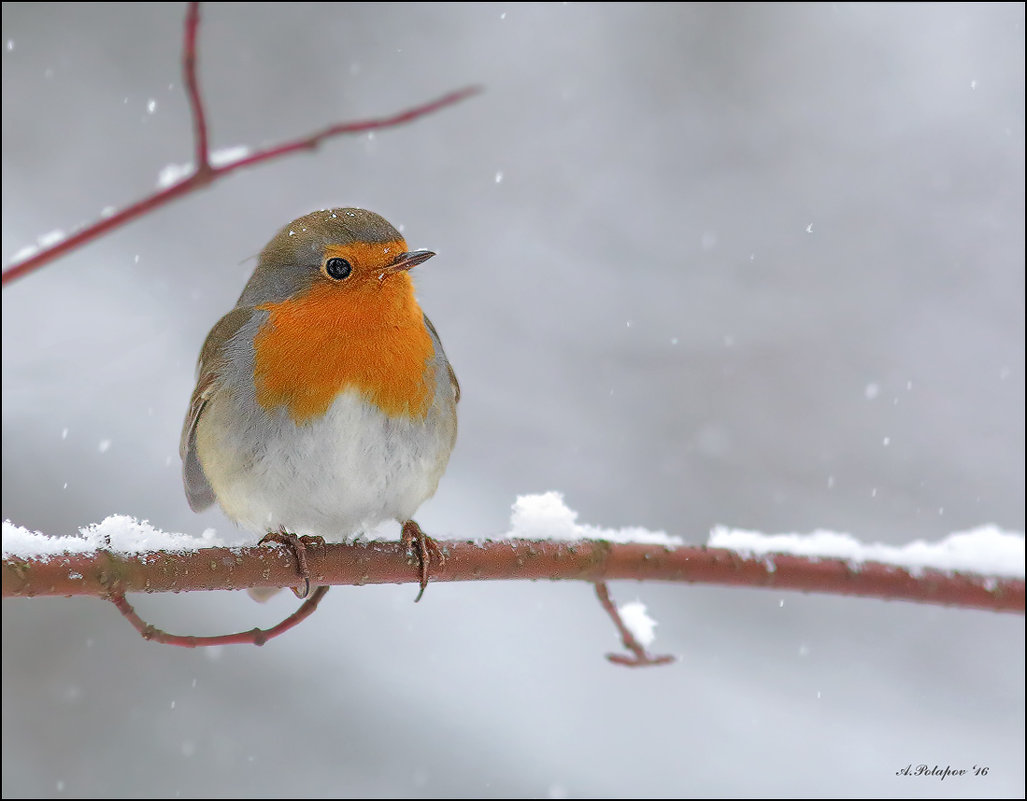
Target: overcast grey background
(679,248)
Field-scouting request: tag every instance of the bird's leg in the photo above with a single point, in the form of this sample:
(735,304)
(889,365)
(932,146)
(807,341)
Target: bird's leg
(425,548)
(298,546)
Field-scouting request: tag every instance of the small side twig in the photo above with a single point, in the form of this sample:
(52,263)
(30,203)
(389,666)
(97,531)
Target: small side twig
(192,86)
(204,172)
(640,656)
(253,636)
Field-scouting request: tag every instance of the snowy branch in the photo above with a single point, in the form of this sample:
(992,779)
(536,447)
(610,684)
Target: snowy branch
(104,573)
(981,569)
(207,167)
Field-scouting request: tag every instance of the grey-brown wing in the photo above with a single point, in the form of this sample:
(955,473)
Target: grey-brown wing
(438,345)
(197,489)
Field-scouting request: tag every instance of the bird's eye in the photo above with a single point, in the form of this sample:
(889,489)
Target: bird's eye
(338,268)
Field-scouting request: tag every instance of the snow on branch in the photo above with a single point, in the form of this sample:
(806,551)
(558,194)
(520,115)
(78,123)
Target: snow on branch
(986,550)
(176,181)
(545,542)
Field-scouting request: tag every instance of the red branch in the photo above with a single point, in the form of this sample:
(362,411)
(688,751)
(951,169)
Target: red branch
(253,636)
(192,86)
(204,173)
(104,573)
(640,657)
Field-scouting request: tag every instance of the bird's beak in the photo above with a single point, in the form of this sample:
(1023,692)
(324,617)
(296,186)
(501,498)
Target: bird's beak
(404,261)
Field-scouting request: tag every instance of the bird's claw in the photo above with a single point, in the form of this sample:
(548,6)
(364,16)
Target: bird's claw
(425,548)
(298,546)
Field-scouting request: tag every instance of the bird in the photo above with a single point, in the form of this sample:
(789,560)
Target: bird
(324,402)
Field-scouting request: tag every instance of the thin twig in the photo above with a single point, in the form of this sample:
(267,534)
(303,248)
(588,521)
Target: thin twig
(204,173)
(312,141)
(640,657)
(192,85)
(253,636)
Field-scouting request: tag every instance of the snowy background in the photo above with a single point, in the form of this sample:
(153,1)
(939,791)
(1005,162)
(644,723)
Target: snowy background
(757,266)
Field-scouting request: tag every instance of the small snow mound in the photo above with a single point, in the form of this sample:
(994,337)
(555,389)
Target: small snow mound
(545,516)
(118,533)
(635,617)
(173,173)
(227,155)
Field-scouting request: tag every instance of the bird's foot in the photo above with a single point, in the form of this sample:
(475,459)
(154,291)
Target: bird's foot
(298,546)
(425,548)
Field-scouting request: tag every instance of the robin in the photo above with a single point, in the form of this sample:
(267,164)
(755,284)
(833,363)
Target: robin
(324,402)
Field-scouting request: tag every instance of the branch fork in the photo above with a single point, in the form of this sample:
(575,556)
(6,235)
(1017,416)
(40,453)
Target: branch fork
(204,172)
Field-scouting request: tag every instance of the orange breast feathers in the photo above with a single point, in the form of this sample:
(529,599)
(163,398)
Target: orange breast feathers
(331,338)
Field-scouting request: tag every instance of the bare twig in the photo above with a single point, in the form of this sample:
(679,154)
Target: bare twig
(103,573)
(192,86)
(640,657)
(205,173)
(253,636)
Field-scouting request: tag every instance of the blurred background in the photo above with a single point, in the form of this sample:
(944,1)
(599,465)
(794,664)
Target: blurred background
(755,265)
